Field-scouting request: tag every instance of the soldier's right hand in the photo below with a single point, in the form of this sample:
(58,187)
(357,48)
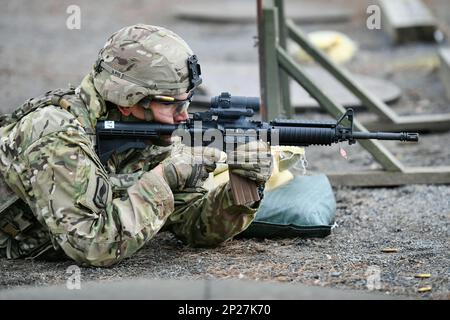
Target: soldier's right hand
(189,168)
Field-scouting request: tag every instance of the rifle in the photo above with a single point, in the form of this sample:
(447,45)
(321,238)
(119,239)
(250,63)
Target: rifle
(227,122)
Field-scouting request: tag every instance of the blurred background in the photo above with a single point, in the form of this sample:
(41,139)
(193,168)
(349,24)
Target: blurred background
(38,52)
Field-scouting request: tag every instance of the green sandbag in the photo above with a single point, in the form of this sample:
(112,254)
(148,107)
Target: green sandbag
(305,207)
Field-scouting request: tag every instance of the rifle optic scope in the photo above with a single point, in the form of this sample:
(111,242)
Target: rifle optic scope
(226,101)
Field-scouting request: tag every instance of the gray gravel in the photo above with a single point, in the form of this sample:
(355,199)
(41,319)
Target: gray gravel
(412,219)
(39,53)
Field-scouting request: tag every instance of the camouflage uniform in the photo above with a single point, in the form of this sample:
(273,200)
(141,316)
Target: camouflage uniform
(98,215)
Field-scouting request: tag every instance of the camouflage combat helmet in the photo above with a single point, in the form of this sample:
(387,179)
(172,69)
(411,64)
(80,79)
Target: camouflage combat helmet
(143,60)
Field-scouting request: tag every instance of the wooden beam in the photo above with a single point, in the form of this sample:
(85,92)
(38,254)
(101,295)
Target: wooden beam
(372,102)
(423,123)
(410,175)
(444,69)
(389,120)
(407,20)
(376,149)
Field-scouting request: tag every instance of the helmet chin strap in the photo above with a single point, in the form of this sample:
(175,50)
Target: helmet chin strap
(148,114)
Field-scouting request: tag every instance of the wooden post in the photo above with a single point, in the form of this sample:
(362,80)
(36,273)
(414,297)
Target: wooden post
(262,59)
(271,71)
(284,79)
(376,178)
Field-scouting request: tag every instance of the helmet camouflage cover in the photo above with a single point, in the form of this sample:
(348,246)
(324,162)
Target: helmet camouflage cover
(144,60)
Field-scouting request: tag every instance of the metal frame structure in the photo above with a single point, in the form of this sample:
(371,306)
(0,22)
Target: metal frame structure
(276,66)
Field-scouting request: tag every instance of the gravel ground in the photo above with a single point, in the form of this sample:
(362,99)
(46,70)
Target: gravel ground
(412,219)
(39,53)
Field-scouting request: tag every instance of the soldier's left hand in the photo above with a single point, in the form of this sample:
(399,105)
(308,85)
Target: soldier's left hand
(252,161)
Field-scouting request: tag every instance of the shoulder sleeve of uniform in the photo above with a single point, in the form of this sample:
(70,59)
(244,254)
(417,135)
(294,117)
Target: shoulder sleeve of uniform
(73,197)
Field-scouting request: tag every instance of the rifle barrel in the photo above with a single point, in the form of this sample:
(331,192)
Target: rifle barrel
(401,136)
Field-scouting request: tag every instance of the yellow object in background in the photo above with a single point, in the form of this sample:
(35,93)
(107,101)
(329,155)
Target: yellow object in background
(285,157)
(339,47)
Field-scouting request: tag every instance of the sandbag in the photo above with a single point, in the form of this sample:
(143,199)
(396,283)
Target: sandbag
(304,207)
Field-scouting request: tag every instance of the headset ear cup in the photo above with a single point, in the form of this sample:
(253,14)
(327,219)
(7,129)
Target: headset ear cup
(148,114)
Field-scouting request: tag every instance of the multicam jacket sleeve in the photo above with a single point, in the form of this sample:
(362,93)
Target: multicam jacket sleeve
(98,218)
(60,177)
(204,216)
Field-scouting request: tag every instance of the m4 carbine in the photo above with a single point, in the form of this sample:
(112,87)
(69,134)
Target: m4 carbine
(227,122)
